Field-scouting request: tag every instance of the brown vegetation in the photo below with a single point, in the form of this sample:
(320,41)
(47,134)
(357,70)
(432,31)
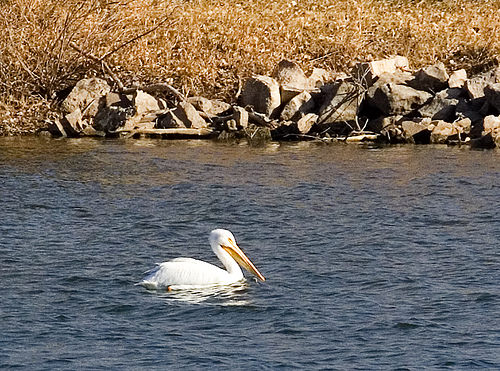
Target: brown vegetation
(207,46)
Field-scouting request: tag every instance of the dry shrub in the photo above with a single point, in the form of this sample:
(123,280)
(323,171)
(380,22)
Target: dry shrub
(208,45)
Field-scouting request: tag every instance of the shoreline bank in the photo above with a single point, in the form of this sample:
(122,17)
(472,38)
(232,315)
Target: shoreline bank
(380,101)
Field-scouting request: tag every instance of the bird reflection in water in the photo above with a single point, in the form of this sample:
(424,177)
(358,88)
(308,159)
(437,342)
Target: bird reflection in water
(235,294)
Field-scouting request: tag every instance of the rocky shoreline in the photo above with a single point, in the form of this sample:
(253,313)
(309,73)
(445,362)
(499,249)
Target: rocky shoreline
(380,101)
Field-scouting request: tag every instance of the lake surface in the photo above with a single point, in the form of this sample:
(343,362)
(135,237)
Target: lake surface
(375,258)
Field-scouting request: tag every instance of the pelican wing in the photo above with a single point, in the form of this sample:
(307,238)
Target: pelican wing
(184,272)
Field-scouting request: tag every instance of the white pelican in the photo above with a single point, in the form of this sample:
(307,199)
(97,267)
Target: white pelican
(187,273)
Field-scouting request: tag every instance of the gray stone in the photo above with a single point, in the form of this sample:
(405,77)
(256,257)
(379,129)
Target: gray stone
(288,73)
(395,99)
(432,78)
(381,123)
(341,102)
(257,135)
(470,109)
(416,131)
(368,72)
(85,96)
(211,107)
(476,85)
(73,123)
(492,94)
(457,79)
(262,93)
(442,106)
(109,119)
(305,123)
(144,103)
(441,131)
(486,141)
(186,112)
(240,117)
(464,125)
(320,77)
(491,124)
(169,120)
(292,129)
(297,106)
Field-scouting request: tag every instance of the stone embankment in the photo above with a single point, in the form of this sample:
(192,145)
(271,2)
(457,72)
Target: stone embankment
(380,101)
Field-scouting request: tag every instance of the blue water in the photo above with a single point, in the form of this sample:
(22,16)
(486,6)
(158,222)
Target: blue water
(375,258)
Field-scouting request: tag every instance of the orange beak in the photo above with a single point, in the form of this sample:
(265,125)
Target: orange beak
(242,259)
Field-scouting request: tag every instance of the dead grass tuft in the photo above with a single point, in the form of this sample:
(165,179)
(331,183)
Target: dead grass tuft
(207,45)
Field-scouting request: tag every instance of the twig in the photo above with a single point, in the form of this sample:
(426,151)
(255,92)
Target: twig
(104,65)
(164,20)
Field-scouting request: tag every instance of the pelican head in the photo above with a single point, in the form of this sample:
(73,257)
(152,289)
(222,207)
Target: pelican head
(224,239)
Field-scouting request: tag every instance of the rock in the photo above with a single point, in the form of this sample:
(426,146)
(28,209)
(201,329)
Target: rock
(470,109)
(319,77)
(476,85)
(186,112)
(240,117)
(297,106)
(116,99)
(442,106)
(416,132)
(169,120)
(287,130)
(486,141)
(305,123)
(457,79)
(290,73)
(211,107)
(257,135)
(144,103)
(85,96)
(369,72)
(464,125)
(292,129)
(72,123)
(263,94)
(380,123)
(392,131)
(491,124)
(395,99)
(293,80)
(492,94)
(431,79)
(442,131)
(341,102)
(109,119)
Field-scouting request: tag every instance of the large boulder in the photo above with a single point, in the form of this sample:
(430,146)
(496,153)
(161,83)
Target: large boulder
(431,78)
(395,99)
(211,107)
(368,72)
(442,106)
(189,116)
(457,79)
(341,102)
(289,130)
(297,107)
(492,94)
(144,103)
(262,93)
(491,124)
(85,96)
(442,132)
(416,131)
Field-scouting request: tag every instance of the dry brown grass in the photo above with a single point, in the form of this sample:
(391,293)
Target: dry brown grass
(207,45)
